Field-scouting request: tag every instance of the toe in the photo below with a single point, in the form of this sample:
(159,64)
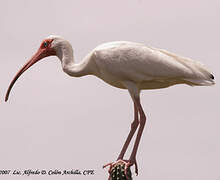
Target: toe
(136,168)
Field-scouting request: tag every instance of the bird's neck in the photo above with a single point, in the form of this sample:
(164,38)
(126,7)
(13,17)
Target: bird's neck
(69,66)
(74,69)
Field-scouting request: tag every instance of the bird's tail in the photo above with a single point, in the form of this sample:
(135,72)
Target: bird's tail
(201,75)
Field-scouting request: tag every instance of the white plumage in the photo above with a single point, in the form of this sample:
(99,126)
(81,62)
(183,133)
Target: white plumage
(126,65)
(147,67)
(144,67)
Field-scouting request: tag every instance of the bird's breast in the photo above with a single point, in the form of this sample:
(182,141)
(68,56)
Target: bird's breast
(111,79)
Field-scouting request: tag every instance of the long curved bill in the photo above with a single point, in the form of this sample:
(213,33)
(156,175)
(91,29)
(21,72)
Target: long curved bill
(41,53)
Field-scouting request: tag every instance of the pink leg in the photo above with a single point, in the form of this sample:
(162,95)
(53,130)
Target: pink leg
(120,160)
(132,158)
(134,126)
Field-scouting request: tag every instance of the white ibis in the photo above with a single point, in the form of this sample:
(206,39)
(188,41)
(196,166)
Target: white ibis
(125,65)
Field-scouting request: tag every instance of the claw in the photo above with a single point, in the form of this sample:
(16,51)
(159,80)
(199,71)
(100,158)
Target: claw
(120,169)
(136,168)
(110,168)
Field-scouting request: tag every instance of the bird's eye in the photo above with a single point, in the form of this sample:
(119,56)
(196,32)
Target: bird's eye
(45,44)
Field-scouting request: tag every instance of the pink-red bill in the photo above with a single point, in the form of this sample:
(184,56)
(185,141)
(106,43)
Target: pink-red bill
(41,53)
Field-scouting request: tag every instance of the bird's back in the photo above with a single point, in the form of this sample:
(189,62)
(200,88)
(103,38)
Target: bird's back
(148,67)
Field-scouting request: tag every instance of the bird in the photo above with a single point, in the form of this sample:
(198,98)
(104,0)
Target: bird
(125,65)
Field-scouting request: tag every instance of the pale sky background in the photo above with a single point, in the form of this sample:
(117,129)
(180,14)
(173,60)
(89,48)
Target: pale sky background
(53,121)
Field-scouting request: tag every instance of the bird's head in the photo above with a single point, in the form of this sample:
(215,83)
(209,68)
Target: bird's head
(51,46)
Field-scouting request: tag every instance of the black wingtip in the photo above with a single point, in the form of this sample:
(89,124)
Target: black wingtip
(211,76)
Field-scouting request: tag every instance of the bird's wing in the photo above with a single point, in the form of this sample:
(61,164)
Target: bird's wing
(191,70)
(137,62)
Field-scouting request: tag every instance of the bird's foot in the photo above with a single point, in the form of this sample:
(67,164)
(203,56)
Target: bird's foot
(120,170)
(134,162)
